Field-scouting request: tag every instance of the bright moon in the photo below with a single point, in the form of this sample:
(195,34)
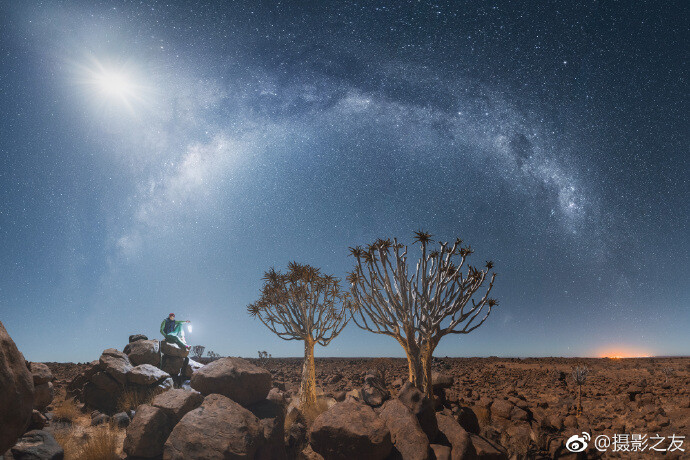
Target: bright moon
(114,84)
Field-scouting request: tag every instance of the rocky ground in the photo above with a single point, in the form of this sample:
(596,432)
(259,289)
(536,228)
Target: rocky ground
(527,407)
(152,401)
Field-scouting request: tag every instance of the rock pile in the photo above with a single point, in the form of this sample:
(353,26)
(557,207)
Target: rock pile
(405,427)
(229,413)
(143,366)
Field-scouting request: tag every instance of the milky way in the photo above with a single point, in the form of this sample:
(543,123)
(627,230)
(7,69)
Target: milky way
(160,157)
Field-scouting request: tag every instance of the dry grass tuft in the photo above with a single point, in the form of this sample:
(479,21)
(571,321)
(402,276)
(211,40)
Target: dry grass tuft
(67,412)
(133,398)
(100,443)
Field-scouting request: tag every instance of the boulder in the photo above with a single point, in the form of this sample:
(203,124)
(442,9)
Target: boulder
(218,429)
(172,364)
(166,384)
(38,420)
(105,382)
(190,368)
(409,440)
(137,337)
(456,436)
(121,420)
(502,409)
(295,439)
(421,407)
(487,450)
(173,349)
(98,398)
(76,386)
(374,391)
(100,419)
(271,414)
(308,454)
(349,430)
(40,373)
(176,403)
(37,445)
(147,432)
(440,381)
(144,352)
(235,378)
(146,375)
(441,452)
(17,395)
(115,363)
(43,395)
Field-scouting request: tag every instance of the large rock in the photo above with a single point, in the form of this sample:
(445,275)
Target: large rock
(374,391)
(103,400)
(235,378)
(37,445)
(137,337)
(421,407)
(190,368)
(121,420)
(440,381)
(409,439)
(105,382)
(76,386)
(350,430)
(43,395)
(503,410)
(115,363)
(172,364)
(147,432)
(166,384)
(146,375)
(441,452)
(38,420)
(488,450)
(17,395)
(173,349)
(218,429)
(176,403)
(271,414)
(144,352)
(456,436)
(40,373)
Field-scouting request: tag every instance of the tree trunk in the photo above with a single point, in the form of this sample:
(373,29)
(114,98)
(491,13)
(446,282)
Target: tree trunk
(308,387)
(426,360)
(579,400)
(414,365)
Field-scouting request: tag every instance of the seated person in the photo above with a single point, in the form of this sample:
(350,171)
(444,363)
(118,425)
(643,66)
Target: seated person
(172,331)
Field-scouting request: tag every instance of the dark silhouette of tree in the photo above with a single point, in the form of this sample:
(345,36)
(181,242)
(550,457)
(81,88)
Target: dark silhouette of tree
(580,378)
(198,351)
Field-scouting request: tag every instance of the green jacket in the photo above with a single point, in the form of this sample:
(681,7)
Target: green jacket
(177,323)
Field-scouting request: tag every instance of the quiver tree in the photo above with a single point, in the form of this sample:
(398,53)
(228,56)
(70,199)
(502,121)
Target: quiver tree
(580,377)
(418,308)
(198,351)
(302,304)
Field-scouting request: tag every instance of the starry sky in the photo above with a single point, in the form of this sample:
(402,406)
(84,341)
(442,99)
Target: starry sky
(158,157)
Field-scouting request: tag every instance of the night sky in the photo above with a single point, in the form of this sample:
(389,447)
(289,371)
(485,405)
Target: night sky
(158,158)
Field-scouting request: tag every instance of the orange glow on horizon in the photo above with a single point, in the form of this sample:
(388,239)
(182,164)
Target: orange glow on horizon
(620,353)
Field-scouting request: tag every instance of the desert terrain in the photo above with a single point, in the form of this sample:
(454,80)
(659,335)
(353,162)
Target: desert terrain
(522,408)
